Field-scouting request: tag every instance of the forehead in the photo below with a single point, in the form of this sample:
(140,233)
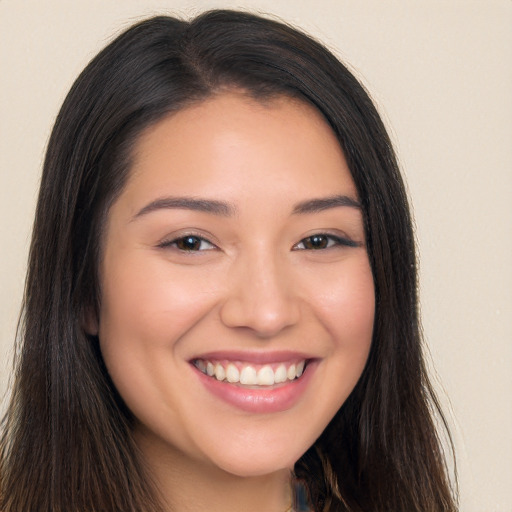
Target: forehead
(232,141)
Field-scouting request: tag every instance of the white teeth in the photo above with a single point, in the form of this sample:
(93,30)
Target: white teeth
(280,374)
(266,376)
(248,376)
(232,373)
(220,373)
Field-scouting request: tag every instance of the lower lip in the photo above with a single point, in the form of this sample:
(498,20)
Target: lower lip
(259,401)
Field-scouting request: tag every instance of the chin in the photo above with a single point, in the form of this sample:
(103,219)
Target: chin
(244,468)
(258,460)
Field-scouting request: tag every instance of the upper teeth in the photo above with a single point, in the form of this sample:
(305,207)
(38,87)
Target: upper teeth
(250,375)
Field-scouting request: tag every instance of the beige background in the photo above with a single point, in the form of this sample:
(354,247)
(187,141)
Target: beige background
(441,72)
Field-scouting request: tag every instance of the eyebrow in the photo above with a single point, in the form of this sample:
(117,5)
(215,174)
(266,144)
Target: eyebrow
(325,203)
(188,203)
(225,209)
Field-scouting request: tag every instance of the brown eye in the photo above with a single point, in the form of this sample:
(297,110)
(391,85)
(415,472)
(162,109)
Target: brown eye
(323,241)
(189,243)
(316,242)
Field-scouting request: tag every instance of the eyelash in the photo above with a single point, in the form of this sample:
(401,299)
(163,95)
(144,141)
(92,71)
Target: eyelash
(183,239)
(319,239)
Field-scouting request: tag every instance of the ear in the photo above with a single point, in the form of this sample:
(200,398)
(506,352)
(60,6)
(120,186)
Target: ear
(90,321)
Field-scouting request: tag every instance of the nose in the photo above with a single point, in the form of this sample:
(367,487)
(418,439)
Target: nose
(260,297)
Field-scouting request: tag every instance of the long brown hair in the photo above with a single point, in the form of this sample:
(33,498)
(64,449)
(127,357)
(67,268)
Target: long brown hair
(66,443)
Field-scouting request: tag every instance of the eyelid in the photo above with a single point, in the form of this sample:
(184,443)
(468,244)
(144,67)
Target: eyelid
(170,242)
(339,241)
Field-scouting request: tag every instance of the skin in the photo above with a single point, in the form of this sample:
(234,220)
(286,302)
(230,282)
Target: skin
(250,284)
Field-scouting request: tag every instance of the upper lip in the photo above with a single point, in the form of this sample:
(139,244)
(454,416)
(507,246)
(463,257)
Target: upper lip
(256,357)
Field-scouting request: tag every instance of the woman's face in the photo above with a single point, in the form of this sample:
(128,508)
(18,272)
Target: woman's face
(237,297)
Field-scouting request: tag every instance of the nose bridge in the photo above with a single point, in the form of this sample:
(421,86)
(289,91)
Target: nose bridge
(260,293)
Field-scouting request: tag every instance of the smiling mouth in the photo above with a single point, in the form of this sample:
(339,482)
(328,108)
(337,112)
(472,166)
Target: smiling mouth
(251,375)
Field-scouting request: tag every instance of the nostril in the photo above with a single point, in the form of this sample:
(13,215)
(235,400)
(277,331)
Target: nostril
(264,316)
(259,294)
(264,321)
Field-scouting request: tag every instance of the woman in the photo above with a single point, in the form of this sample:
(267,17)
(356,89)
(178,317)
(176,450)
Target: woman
(221,298)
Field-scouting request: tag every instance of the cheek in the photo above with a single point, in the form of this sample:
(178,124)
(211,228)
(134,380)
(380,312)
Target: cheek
(346,306)
(147,309)
(146,300)
(145,313)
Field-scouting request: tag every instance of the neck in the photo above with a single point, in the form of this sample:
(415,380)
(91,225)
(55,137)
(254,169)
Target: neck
(187,485)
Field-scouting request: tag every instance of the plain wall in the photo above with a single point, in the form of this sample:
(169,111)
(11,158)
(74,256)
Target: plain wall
(441,74)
